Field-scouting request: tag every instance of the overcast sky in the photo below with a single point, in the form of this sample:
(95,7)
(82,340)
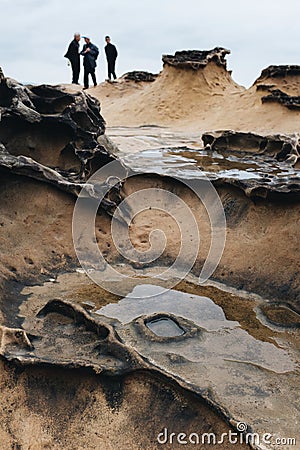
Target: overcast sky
(35,33)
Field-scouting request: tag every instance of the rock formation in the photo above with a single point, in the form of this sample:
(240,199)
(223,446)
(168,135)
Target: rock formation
(195,90)
(139,75)
(273,81)
(197,59)
(47,342)
(281,146)
(270,158)
(103,351)
(68,123)
(1,74)
(277,96)
(51,134)
(280,71)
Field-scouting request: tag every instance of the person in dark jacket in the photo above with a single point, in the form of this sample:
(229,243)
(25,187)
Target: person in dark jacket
(111,56)
(73,56)
(90,53)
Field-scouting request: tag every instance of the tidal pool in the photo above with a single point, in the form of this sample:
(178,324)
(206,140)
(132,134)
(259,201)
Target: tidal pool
(185,162)
(164,327)
(218,343)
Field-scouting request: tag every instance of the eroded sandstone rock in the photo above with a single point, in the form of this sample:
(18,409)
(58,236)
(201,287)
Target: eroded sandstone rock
(280,146)
(51,134)
(273,161)
(280,71)
(55,127)
(197,59)
(140,75)
(66,335)
(278,96)
(269,81)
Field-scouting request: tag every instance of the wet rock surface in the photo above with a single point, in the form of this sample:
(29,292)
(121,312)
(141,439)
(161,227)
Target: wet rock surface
(279,145)
(140,76)
(164,326)
(197,59)
(259,165)
(273,161)
(257,175)
(65,335)
(235,372)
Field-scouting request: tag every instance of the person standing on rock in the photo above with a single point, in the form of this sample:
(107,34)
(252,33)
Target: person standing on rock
(111,56)
(90,54)
(73,56)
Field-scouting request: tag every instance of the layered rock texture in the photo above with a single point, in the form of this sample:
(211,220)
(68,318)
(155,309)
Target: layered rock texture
(140,75)
(274,95)
(50,127)
(197,59)
(284,148)
(50,134)
(51,140)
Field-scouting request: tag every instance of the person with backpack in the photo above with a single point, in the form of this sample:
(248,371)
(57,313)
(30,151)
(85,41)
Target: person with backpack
(90,54)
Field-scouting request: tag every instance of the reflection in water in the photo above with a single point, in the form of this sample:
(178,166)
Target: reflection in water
(184,162)
(165,327)
(221,340)
(246,376)
(241,374)
(147,299)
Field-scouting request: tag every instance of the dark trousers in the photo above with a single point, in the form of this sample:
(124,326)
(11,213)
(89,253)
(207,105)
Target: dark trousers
(111,69)
(89,71)
(75,71)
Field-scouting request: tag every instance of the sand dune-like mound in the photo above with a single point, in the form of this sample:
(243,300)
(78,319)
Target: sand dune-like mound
(196,91)
(182,90)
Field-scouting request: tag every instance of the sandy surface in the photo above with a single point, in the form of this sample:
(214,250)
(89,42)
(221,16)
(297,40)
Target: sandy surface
(51,409)
(197,101)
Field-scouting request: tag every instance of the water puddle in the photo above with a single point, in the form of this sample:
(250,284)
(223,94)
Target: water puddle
(147,299)
(134,140)
(164,327)
(209,307)
(184,162)
(212,341)
(218,338)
